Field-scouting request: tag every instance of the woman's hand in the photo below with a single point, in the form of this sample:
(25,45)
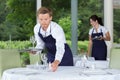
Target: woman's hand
(100,38)
(55,65)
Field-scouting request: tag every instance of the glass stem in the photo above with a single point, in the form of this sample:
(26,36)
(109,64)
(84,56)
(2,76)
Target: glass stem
(33,45)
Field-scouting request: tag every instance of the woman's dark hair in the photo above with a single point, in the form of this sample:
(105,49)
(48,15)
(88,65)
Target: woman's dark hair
(99,19)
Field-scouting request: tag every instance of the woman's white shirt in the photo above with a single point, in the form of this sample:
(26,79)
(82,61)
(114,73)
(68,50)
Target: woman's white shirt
(57,33)
(100,28)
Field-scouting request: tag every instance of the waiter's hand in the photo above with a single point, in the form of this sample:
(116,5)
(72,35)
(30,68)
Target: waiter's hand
(55,65)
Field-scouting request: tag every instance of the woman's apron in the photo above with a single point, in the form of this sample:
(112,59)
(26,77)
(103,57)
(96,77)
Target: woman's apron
(99,48)
(50,42)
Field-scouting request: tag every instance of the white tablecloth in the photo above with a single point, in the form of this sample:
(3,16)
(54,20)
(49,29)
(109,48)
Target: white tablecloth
(96,63)
(63,73)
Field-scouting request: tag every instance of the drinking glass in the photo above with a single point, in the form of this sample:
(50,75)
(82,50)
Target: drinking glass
(91,59)
(83,61)
(32,40)
(44,60)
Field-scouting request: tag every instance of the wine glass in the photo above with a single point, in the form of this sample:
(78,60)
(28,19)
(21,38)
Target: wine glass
(91,59)
(32,40)
(83,61)
(44,60)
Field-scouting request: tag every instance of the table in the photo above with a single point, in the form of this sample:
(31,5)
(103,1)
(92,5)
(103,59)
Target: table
(96,63)
(63,73)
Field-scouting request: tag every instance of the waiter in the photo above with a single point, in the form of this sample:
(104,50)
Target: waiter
(51,36)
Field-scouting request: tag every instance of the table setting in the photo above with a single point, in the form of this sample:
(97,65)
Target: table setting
(84,69)
(63,73)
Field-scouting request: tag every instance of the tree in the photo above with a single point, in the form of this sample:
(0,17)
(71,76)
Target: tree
(116,27)
(18,17)
(4,31)
(65,23)
(3,11)
(61,8)
(22,16)
(7,30)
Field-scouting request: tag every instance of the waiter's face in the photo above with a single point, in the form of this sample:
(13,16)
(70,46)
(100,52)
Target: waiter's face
(44,20)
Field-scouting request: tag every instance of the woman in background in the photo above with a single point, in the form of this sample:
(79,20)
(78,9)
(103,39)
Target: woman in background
(98,34)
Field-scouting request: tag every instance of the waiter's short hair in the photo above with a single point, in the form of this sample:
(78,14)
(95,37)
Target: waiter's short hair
(44,10)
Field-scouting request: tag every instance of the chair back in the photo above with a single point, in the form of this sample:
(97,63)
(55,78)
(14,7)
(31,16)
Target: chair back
(115,59)
(9,58)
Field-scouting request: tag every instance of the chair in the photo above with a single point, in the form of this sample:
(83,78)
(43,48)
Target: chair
(9,58)
(115,59)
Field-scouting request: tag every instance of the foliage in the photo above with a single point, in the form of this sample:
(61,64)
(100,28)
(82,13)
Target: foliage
(6,30)
(26,44)
(65,22)
(61,8)
(3,10)
(116,26)
(82,46)
(20,12)
(14,44)
(18,17)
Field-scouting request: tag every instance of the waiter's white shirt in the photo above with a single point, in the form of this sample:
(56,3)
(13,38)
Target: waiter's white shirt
(57,33)
(100,28)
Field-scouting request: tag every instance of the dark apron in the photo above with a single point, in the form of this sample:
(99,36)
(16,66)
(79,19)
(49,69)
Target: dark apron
(99,48)
(49,41)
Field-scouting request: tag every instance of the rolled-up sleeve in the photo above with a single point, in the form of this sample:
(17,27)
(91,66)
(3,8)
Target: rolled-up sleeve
(58,34)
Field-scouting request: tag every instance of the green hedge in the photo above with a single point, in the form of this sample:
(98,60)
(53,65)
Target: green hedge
(82,46)
(26,44)
(14,44)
